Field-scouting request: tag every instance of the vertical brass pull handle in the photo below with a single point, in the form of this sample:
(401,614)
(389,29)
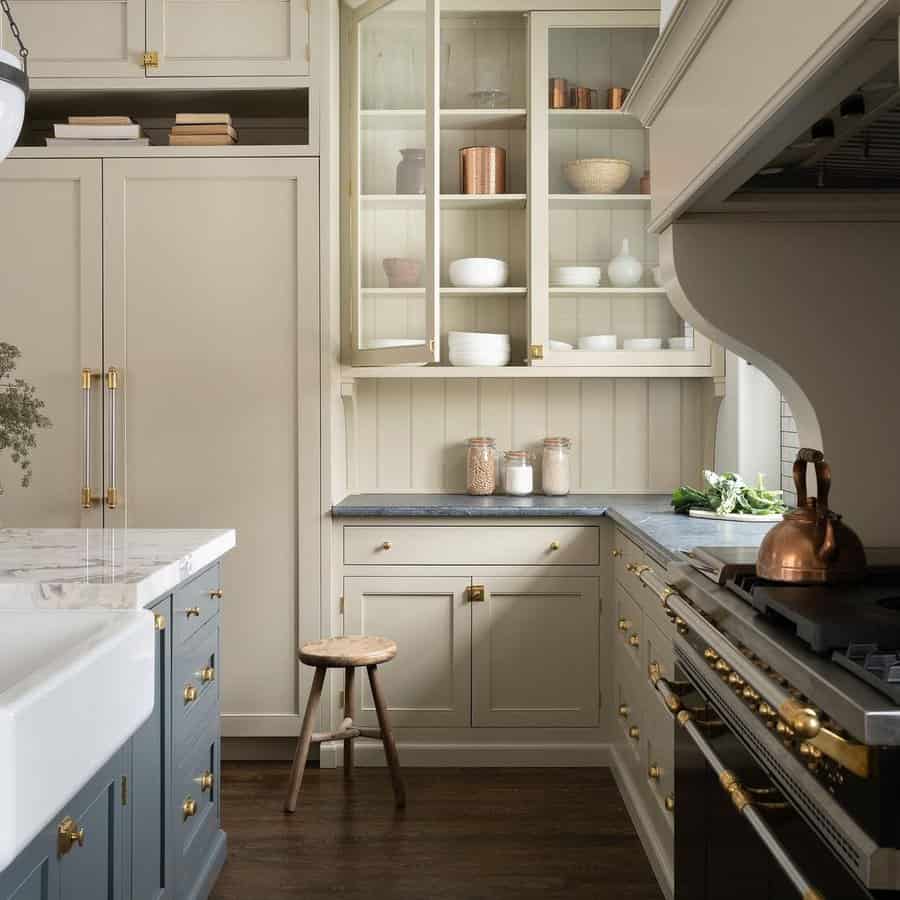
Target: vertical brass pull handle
(86,377)
(112,389)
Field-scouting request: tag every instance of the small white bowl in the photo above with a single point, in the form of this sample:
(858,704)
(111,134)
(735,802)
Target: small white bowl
(477,337)
(680,343)
(642,344)
(485,358)
(559,346)
(478,272)
(576,276)
(597,342)
(381,343)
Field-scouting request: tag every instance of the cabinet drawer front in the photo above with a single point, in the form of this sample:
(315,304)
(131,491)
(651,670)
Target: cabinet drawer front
(194,605)
(658,777)
(195,684)
(629,626)
(461,545)
(629,712)
(627,553)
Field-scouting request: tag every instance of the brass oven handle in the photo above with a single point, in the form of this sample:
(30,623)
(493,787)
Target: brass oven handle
(743,803)
(112,389)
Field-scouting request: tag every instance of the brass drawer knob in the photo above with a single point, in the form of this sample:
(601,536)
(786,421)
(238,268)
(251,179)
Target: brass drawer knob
(624,710)
(207,674)
(624,624)
(616,552)
(192,611)
(69,833)
(190,693)
(217,594)
(669,803)
(188,808)
(634,640)
(386,545)
(654,772)
(206,781)
(554,545)
(634,732)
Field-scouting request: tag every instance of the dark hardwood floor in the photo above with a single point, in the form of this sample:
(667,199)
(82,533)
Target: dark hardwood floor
(466,834)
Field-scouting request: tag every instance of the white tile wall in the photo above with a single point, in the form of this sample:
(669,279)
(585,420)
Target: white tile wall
(790,443)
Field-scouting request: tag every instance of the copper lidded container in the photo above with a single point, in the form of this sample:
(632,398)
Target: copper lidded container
(581,98)
(615,97)
(482,170)
(559,93)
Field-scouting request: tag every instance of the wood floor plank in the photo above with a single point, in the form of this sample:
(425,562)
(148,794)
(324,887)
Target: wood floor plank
(466,834)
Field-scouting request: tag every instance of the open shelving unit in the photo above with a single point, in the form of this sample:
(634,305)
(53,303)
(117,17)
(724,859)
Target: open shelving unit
(419,79)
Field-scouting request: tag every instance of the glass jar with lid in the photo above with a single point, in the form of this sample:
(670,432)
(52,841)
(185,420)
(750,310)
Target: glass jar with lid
(556,475)
(518,473)
(481,466)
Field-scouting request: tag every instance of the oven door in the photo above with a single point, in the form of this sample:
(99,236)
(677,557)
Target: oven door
(735,835)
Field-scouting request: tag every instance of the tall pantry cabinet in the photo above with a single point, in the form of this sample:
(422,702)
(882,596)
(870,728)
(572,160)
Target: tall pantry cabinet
(195,281)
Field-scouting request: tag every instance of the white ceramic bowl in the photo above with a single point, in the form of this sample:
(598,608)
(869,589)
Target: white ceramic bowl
(597,176)
(478,338)
(576,276)
(680,343)
(560,345)
(478,272)
(381,343)
(642,344)
(597,342)
(479,358)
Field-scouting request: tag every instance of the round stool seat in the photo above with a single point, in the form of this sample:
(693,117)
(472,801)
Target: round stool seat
(345,652)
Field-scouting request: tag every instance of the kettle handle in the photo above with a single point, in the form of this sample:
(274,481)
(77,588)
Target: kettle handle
(827,546)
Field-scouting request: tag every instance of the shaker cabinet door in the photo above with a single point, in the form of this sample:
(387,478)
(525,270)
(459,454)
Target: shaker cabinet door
(427,683)
(93,39)
(535,652)
(238,37)
(50,256)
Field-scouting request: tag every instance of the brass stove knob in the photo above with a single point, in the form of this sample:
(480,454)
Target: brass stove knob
(722,667)
(710,655)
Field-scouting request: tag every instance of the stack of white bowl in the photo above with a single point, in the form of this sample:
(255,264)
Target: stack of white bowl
(472,348)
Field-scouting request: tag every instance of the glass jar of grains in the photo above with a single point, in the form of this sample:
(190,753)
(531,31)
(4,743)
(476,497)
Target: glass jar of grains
(481,465)
(556,471)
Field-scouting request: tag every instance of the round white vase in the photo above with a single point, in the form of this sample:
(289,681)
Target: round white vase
(625,270)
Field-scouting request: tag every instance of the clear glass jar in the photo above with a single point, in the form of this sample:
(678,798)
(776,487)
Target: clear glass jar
(481,466)
(556,475)
(518,473)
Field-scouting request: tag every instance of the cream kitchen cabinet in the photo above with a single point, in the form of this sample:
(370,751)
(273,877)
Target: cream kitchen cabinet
(109,38)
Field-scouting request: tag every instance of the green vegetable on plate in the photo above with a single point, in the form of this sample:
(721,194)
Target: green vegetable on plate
(729,493)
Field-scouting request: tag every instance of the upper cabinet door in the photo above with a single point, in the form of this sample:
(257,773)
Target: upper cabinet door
(50,256)
(93,39)
(391,171)
(228,37)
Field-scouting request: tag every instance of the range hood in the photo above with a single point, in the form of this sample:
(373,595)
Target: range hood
(775,147)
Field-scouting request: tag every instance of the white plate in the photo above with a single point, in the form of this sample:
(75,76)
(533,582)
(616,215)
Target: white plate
(734,517)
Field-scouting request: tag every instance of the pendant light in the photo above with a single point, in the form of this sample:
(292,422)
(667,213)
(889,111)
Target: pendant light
(13,88)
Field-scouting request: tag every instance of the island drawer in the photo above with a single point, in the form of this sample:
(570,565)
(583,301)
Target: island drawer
(194,604)
(195,681)
(474,545)
(629,626)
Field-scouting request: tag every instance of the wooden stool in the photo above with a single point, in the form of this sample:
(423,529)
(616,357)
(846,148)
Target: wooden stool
(347,653)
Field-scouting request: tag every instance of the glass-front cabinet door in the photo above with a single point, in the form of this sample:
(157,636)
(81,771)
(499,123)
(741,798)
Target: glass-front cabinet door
(391,173)
(596,297)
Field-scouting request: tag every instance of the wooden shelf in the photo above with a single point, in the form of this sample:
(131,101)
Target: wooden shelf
(593,119)
(392,201)
(567,291)
(483,201)
(394,292)
(607,201)
(486,292)
(161,152)
(635,370)
(481,119)
(393,119)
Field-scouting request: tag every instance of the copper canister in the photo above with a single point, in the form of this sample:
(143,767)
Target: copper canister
(581,98)
(615,97)
(559,93)
(482,170)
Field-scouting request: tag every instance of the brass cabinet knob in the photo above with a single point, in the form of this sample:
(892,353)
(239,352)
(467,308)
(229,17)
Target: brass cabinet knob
(616,552)
(634,732)
(669,803)
(634,640)
(159,622)
(206,781)
(624,709)
(217,594)
(69,833)
(624,624)
(192,611)
(386,545)
(207,674)
(554,545)
(188,808)
(654,772)
(190,693)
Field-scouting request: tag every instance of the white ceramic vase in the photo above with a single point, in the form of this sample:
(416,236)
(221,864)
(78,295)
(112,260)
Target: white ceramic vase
(625,270)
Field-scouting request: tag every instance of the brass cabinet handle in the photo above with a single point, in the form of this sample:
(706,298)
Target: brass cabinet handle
(112,390)
(159,622)
(386,545)
(624,624)
(217,594)
(654,772)
(207,674)
(634,732)
(190,693)
(616,552)
(192,611)
(206,781)
(188,808)
(69,833)
(634,640)
(624,710)
(150,60)
(554,545)
(669,803)
(636,569)
(477,593)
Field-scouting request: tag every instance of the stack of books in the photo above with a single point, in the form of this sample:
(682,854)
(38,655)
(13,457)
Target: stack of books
(85,131)
(202,130)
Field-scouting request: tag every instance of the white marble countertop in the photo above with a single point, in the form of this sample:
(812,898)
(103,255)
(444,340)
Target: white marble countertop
(115,568)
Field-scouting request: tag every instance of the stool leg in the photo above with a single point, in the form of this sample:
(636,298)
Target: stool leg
(349,702)
(304,740)
(387,737)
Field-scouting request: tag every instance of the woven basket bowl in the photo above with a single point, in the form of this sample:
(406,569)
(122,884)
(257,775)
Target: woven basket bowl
(598,176)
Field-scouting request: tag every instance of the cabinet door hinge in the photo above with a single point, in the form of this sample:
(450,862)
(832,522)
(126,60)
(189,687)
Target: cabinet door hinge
(124,790)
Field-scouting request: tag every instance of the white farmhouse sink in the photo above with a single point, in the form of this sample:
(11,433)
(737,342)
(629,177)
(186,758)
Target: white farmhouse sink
(74,686)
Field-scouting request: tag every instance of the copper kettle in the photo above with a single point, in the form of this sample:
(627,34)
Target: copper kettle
(811,545)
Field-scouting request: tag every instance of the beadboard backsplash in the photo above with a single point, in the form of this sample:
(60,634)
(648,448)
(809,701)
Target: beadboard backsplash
(631,435)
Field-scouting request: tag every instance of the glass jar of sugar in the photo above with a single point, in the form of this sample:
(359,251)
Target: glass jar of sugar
(555,466)
(518,473)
